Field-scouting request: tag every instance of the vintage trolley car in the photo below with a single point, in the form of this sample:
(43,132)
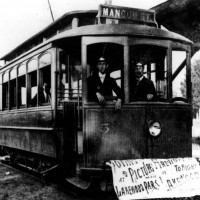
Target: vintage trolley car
(78,135)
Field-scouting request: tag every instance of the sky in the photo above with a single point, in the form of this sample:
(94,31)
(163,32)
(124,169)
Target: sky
(21,19)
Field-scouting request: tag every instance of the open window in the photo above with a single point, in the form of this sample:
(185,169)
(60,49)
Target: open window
(13,93)
(5,90)
(114,55)
(32,89)
(45,79)
(70,76)
(22,86)
(153,59)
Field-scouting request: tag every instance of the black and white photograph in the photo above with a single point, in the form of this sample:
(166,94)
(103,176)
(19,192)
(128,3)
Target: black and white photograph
(99,99)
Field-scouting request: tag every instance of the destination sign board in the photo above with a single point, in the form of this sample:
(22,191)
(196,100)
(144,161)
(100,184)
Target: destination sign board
(128,14)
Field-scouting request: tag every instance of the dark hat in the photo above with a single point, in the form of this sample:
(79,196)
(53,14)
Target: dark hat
(141,63)
(101,59)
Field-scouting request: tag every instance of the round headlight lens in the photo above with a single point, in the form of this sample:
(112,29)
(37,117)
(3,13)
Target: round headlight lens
(154,129)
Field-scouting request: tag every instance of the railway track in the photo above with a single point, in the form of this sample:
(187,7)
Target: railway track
(45,176)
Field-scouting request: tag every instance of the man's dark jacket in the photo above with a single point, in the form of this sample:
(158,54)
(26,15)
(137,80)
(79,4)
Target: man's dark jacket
(95,85)
(141,89)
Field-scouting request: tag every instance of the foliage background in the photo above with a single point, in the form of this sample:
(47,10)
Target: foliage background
(196,86)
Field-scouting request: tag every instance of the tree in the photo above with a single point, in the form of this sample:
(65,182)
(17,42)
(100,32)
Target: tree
(196,86)
(195,76)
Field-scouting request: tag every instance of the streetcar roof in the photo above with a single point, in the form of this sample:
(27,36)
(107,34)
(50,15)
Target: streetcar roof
(88,27)
(122,29)
(57,25)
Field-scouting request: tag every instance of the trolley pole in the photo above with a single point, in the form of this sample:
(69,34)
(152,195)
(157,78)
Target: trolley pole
(51,10)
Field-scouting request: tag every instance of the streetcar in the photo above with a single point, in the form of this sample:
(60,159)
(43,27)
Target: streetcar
(77,135)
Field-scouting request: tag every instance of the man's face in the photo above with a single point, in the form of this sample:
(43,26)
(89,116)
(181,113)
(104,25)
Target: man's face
(102,66)
(139,70)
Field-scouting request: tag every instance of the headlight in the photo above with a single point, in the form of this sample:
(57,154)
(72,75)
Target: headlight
(154,128)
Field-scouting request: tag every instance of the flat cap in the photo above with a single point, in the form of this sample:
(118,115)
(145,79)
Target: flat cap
(101,59)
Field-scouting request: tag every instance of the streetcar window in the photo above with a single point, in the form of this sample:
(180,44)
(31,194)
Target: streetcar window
(114,56)
(22,85)
(63,78)
(45,79)
(1,100)
(70,80)
(153,60)
(5,90)
(179,88)
(13,94)
(32,83)
(76,79)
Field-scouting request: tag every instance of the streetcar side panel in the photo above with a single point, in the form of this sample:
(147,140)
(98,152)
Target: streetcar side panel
(29,131)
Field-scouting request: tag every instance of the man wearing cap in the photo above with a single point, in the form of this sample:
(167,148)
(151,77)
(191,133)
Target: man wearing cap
(101,85)
(143,88)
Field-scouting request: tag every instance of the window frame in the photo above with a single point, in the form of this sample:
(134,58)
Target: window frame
(13,80)
(25,60)
(148,71)
(72,94)
(132,41)
(5,97)
(41,77)
(120,40)
(186,64)
(29,74)
(19,76)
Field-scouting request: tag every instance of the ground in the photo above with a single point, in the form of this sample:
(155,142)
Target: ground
(17,185)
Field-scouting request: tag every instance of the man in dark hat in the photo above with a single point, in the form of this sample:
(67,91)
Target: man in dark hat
(143,88)
(101,85)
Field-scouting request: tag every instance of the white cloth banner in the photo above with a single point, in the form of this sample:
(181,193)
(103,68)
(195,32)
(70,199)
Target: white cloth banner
(156,178)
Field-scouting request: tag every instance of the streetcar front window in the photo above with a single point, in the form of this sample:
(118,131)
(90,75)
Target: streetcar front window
(152,60)
(114,60)
(179,88)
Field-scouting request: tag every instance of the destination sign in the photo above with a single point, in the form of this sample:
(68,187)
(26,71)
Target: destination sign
(128,14)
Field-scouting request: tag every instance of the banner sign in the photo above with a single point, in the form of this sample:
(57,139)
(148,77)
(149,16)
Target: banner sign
(156,178)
